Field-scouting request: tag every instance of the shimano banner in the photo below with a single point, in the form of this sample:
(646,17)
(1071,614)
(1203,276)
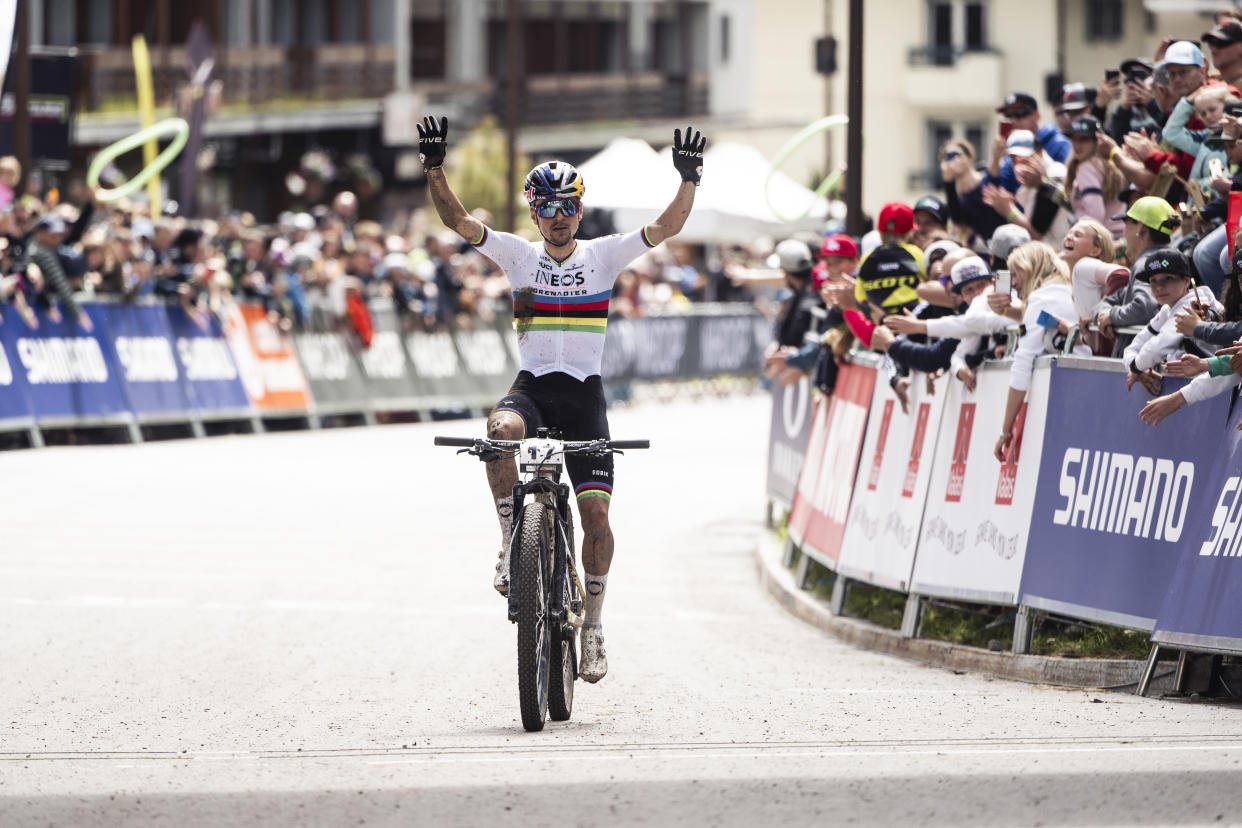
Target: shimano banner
(332,371)
(487,357)
(207,364)
(1201,609)
(975,525)
(891,488)
(14,393)
(791,428)
(725,340)
(820,508)
(144,348)
(70,373)
(1117,500)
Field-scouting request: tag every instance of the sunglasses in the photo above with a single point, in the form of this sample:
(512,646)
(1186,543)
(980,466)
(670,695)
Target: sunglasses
(951,154)
(1018,114)
(548,209)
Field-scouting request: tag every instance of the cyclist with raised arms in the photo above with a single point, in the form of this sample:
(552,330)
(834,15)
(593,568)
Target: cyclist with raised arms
(561,289)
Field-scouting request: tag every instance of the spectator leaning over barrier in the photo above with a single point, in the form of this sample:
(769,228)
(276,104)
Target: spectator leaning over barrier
(1022,111)
(1089,252)
(972,282)
(1224,42)
(1042,282)
(1148,224)
(797,318)
(888,277)
(1194,322)
(49,275)
(935,290)
(1168,272)
(963,190)
(1008,238)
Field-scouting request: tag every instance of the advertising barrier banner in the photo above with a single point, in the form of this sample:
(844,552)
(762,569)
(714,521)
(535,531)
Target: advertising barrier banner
(974,535)
(331,367)
(68,372)
(1117,500)
(14,392)
(729,341)
(791,429)
(1201,609)
(822,507)
(211,374)
(487,358)
(269,367)
(143,341)
(385,368)
(890,491)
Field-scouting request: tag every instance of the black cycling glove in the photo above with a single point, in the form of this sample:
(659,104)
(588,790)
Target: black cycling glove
(688,157)
(432,142)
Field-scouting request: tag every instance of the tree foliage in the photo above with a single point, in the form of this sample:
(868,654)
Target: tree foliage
(477,168)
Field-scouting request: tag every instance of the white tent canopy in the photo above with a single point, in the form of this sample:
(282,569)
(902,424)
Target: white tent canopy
(637,183)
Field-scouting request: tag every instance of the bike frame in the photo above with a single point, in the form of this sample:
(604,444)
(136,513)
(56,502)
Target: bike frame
(540,463)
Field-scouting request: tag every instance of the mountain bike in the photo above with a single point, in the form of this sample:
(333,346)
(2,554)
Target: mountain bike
(545,592)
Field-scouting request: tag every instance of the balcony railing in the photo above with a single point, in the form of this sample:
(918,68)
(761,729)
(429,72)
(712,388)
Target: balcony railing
(603,97)
(943,55)
(251,75)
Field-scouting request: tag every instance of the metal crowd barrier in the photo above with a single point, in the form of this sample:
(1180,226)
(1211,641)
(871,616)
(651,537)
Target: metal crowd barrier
(148,364)
(1091,514)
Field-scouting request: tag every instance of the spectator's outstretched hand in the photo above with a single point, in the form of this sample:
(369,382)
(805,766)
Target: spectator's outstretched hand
(967,377)
(1188,366)
(688,155)
(881,338)
(1186,321)
(432,142)
(1161,407)
(902,389)
(904,324)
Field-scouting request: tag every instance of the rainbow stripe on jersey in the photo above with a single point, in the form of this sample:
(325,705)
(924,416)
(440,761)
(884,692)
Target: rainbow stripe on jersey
(580,314)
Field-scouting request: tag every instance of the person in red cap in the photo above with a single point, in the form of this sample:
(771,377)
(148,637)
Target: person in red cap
(889,275)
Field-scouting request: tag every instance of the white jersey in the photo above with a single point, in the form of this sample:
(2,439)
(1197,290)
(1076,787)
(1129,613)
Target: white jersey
(560,309)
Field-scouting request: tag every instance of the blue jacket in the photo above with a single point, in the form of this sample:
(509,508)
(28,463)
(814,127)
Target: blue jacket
(1053,142)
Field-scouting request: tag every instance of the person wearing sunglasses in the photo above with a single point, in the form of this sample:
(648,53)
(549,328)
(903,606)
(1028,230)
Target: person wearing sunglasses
(1022,112)
(561,290)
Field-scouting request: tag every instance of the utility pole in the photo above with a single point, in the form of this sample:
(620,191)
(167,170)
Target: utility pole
(513,87)
(21,94)
(853,139)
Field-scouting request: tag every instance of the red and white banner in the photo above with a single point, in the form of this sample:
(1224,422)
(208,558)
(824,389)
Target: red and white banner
(978,511)
(266,359)
(882,532)
(822,500)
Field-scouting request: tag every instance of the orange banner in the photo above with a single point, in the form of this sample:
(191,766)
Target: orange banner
(265,357)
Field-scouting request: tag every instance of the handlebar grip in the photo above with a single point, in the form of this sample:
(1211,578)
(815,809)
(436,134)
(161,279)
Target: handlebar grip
(630,444)
(462,442)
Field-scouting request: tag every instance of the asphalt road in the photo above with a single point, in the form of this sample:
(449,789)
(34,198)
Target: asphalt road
(300,629)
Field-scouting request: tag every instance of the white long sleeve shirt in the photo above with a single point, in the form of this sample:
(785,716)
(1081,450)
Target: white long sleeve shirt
(1160,340)
(1058,300)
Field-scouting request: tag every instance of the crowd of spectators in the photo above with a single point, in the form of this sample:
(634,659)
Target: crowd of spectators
(1107,230)
(312,268)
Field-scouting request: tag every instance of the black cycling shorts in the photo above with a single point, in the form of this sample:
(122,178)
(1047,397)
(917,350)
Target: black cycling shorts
(577,409)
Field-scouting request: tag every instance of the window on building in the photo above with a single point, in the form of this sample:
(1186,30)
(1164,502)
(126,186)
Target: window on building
(976,28)
(954,27)
(941,32)
(1105,19)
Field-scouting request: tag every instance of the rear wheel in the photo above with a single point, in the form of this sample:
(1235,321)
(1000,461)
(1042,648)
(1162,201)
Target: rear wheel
(534,630)
(564,667)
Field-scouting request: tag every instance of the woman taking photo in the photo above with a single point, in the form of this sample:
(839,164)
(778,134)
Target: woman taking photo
(1042,281)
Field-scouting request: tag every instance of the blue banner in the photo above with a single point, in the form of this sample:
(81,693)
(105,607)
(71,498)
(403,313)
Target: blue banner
(212,380)
(69,372)
(1202,609)
(14,393)
(144,349)
(1117,500)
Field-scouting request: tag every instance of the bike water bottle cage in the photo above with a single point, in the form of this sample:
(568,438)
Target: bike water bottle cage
(548,209)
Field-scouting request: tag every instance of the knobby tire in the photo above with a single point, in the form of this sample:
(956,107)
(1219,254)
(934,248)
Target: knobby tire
(563,668)
(534,630)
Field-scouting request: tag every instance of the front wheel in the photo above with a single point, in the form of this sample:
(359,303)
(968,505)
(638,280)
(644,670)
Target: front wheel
(534,629)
